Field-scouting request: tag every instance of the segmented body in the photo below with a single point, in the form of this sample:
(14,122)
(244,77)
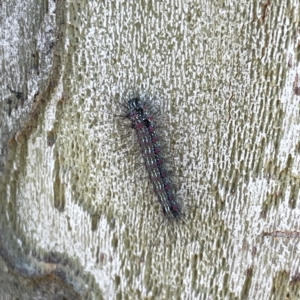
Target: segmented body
(143,123)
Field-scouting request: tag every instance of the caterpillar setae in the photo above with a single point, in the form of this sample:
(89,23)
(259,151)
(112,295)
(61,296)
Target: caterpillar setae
(145,120)
(142,121)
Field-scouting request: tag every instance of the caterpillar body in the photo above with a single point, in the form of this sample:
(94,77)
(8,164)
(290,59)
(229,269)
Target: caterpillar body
(142,121)
(175,222)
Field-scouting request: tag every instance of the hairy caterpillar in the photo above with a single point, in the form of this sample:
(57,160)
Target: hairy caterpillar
(144,121)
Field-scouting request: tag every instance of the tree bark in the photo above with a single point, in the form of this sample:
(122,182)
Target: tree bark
(79,218)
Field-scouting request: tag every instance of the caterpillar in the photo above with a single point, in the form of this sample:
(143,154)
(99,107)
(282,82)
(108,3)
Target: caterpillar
(145,119)
(142,121)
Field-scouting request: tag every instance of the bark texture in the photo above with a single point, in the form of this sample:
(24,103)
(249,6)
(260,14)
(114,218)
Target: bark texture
(77,210)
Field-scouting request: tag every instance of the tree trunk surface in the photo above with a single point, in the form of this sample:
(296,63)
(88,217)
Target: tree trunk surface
(79,217)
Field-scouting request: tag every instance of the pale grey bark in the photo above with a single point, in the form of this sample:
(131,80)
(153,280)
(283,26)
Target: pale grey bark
(76,205)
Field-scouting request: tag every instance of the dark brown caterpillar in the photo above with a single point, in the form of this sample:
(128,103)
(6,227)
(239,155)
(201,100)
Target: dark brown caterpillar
(142,121)
(146,119)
